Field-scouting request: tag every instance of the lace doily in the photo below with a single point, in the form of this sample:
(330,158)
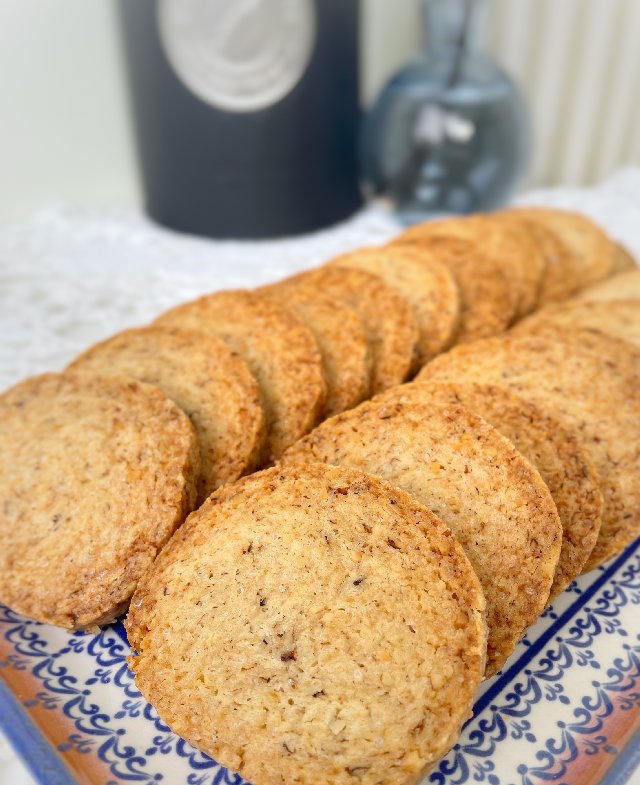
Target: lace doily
(72,275)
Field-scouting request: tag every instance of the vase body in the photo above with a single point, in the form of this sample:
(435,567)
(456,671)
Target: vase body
(450,132)
(246,112)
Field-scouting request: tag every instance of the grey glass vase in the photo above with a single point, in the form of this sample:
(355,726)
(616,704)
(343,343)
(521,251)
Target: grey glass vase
(450,132)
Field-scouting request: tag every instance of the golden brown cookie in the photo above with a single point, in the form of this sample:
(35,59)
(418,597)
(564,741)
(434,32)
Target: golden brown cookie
(517,242)
(279,349)
(616,318)
(312,625)
(389,324)
(624,286)
(552,449)
(461,468)
(342,343)
(623,261)
(560,263)
(488,299)
(507,243)
(592,249)
(590,383)
(95,475)
(427,285)
(206,379)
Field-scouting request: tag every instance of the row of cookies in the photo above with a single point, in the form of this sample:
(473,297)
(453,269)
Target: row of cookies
(337,650)
(331,337)
(514,479)
(320,342)
(511,442)
(255,371)
(99,470)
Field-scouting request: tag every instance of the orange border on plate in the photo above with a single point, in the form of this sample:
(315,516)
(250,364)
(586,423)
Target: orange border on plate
(87,769)
(618,728)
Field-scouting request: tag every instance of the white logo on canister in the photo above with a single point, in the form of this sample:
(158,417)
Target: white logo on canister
(238,55)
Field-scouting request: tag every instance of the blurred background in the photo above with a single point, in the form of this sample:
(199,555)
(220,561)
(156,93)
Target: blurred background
(67,134)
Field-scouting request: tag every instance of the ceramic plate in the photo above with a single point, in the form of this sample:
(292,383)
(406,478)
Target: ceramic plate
(565,710)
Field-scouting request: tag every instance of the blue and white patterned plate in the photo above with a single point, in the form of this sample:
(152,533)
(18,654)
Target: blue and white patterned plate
(565,710)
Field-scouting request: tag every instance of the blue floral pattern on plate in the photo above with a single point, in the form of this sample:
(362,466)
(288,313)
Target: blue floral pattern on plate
(552,706)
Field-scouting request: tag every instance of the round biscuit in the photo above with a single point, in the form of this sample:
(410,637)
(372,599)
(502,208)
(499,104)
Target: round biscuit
(487,297)
(95,475)
(427,285)
(592,249)
(279,349)
(591,384)
(560,264)
(389,324)
(553,450)
(312,624)
(624,286)
(206,379)
(461,468)
(507,244)
(341,341)
(515,240)
(623,261)
(616,318)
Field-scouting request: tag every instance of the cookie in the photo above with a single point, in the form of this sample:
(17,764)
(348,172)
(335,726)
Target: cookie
(389,324)
(95,475)
(560,263)
(427,285)
(312,624)
(591,385)
(623,261)
(516,240)
(616,318)
(625,286)
(279,349)
(507,244)
(206,379)
(488,300)
(461,468)
(342,343)
(552,449)
(592,249)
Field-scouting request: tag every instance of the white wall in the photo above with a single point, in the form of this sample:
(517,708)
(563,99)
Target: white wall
(64,130)
(391,32)
(579,64)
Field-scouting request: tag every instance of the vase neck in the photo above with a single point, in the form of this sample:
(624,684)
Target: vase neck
(452,24)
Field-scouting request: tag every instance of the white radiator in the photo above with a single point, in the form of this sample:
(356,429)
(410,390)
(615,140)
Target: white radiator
(578,62)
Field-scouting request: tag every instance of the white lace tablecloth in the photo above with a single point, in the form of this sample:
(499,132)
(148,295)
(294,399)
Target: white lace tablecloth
(73,275)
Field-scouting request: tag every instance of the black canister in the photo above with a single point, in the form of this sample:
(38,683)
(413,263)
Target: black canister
(246,112)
